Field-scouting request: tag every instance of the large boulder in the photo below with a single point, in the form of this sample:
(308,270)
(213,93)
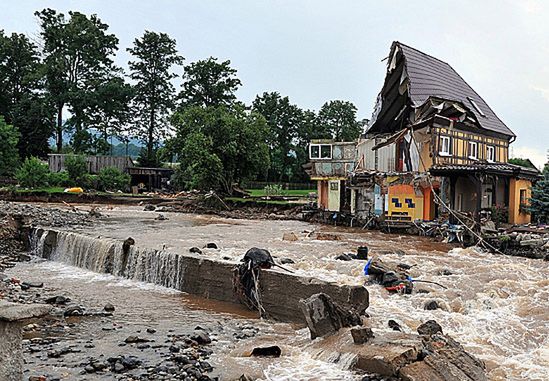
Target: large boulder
(324,317)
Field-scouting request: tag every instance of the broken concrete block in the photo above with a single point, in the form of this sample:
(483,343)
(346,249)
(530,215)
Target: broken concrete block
(386,354)
(327,237)
(291,236)
(361,335)
(449,359)
(324,317)
(12,319)
(419,371)
(532,242)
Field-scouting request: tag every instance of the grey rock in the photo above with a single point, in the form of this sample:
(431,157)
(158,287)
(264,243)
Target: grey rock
(201,337)
(361,335)
(74,311)
(109,307)
(431,305)
(394,325)
(324,317)
(430,327)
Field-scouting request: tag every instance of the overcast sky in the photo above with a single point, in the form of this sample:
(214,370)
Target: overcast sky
(315,51)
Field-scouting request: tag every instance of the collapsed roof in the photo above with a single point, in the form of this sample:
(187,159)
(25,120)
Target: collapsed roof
(418,85)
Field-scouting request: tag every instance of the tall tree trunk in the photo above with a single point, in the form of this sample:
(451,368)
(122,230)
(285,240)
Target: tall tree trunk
(150,142)
(59,128)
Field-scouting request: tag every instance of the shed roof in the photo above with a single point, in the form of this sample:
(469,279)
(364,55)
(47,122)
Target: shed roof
(431,77)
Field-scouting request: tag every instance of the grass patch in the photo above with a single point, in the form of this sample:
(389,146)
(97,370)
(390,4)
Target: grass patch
(289,192)
(49,190)
(249,200)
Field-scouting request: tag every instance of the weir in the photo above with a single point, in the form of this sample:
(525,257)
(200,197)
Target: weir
(190,273)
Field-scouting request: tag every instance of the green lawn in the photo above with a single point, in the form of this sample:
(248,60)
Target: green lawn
(49,190)
(291,192)
(247,200)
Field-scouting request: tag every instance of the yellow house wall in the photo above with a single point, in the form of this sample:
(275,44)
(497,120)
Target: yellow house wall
(515,215)
(402,192)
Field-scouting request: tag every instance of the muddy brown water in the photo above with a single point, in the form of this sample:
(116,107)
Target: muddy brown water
(496,306)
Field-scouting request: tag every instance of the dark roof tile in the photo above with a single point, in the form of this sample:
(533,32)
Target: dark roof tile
(431,77)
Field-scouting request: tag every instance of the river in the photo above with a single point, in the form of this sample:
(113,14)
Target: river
(496,306)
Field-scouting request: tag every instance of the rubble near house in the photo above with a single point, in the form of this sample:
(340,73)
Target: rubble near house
(433,158)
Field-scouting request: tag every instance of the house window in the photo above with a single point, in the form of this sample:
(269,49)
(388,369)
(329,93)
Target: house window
(320,151)
(445,146)
(490,153)
(473,150)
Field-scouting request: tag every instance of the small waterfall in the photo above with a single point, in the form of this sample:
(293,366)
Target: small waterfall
(108,256)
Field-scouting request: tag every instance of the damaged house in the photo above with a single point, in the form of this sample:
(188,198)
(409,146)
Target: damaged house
(432,143)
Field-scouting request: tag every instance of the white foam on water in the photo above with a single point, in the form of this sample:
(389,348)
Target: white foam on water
(59,270)
(303,367)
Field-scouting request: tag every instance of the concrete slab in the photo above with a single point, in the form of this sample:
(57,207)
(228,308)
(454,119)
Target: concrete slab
(13,311)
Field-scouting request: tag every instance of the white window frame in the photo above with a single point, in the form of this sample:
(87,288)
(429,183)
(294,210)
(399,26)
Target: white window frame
(319,151)
(471,150)
(442,151)
(490,157)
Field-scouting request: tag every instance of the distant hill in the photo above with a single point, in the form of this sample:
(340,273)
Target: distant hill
(120,150)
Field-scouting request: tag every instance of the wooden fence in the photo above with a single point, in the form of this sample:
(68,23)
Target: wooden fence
(56,162)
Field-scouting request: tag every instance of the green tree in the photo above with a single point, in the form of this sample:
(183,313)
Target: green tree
(22,101)
(283,119)
(539,201)
(33,174)
(9,156)
(308,129)
(111,112)
(155,54)
(339,119)
(78,55)
(209,83)
(200,166)
(232,137)
(522,162)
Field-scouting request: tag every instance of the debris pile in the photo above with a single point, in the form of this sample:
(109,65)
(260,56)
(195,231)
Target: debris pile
(523,242)
(246,277)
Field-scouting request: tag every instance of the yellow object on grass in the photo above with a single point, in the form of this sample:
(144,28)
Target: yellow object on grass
(74,190)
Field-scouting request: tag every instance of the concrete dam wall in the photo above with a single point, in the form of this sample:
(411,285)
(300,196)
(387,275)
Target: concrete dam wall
(190,273)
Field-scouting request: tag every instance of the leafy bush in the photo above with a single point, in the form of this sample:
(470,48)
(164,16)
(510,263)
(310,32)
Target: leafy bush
(33,174)
(112,179)
(59,179)
(89,181)
(273,190)
(9,155)
(77,168)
